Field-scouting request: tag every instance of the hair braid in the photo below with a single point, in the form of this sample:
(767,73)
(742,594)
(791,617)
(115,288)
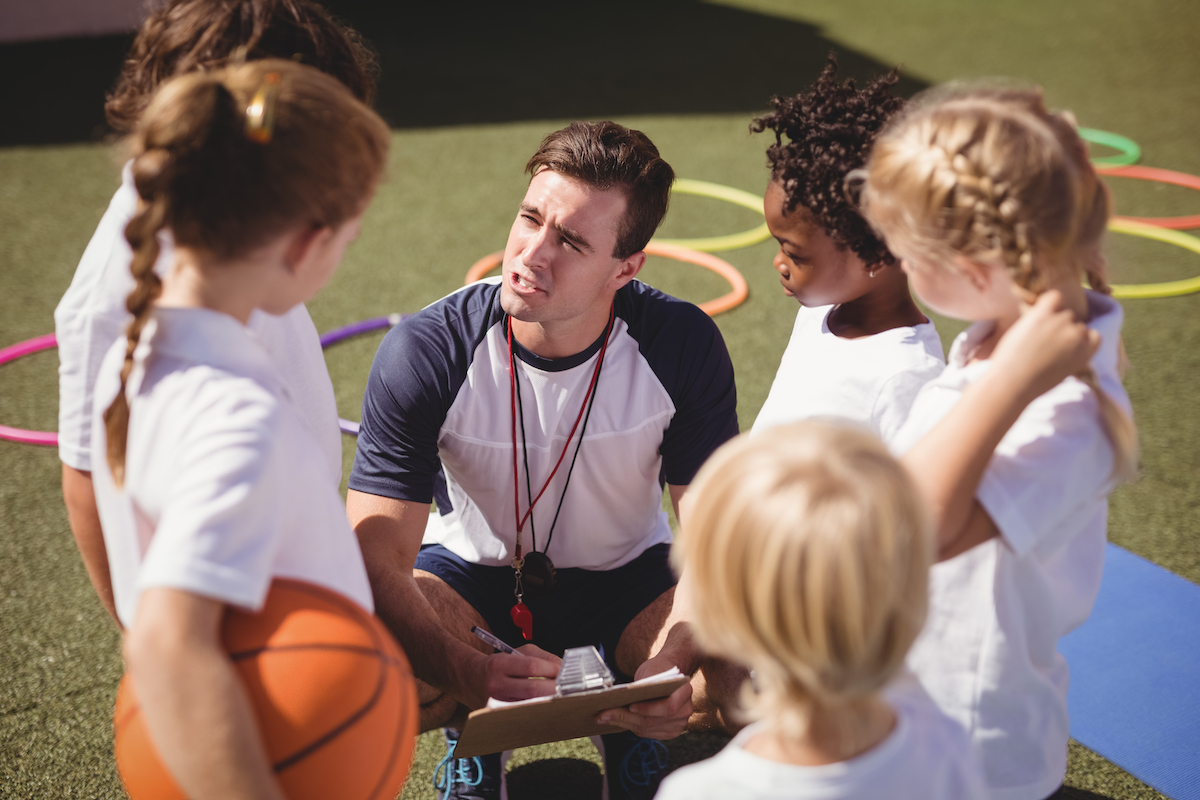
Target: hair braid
(992,174)
(142,234)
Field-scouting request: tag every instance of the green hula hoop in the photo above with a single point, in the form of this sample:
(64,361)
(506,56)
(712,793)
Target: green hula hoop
(1156,290)
(1130,152)
(731,241)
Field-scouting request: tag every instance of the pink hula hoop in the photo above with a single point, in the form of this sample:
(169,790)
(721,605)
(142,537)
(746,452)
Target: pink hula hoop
(12,353)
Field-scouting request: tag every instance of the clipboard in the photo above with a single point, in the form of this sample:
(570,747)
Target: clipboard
(508,726)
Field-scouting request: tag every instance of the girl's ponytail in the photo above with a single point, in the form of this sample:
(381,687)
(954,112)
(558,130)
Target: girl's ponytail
(223,189)
(165,137)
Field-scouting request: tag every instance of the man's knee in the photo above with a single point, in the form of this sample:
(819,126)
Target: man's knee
(645,634)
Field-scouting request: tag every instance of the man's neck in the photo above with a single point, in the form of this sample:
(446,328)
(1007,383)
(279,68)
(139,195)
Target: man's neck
(560,339)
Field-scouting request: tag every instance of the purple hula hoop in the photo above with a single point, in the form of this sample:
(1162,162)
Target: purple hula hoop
(357,329)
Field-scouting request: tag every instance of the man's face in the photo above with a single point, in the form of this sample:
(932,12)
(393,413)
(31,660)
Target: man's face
(558,264)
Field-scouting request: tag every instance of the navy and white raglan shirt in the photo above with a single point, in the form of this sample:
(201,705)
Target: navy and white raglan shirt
(440,392)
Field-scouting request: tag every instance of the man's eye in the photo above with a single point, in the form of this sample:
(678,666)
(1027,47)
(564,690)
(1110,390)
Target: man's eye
(571,245)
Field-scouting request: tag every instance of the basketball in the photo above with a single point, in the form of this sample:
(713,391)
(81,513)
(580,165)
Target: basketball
(331,690)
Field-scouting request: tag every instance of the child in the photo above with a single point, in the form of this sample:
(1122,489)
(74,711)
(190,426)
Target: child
(860,347)
(813,551)
(214,482)
(990,201)
(179,37)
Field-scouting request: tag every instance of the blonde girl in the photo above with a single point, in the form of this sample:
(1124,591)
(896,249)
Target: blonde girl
(990,202)
(807,556)
(213,481)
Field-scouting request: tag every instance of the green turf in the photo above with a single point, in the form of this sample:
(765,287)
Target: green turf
(473,97)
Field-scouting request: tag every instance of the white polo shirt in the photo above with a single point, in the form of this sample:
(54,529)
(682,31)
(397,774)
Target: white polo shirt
(872,380)
(926,757)
(226,485)
(91,315)
(989,652)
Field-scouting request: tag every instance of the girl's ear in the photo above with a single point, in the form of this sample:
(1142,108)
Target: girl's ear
(303,242)
(978,272)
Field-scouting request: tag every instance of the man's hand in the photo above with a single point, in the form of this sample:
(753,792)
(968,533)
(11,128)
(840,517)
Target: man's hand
(654,719)
(511,677)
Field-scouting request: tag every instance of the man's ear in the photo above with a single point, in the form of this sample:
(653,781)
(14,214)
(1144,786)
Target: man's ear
(303,243)
(628,270)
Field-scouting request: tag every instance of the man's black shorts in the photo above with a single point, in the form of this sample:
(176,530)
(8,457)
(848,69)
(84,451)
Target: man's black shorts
(585,606)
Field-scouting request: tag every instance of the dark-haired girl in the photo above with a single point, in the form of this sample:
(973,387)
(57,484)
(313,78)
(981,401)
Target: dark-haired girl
(860,347)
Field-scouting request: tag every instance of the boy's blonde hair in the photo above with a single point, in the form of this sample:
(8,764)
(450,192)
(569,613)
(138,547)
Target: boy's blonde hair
(809,553)
(989,174)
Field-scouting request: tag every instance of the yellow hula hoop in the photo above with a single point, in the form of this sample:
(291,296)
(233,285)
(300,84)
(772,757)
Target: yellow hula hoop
(731,241)
(736,295)
(1145,291)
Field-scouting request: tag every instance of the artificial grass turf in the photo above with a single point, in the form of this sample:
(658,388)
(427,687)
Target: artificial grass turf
(453,187)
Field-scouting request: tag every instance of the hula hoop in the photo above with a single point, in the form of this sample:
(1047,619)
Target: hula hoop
(12,353)
(1144,291)
(357,329)
(735,297)
(1159,176)
(1130,152)
(731,241)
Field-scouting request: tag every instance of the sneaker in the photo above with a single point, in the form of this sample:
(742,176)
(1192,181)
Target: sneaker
(475,778)
(633,766)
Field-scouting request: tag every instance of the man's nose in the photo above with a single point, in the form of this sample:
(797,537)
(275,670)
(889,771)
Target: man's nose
(539,249)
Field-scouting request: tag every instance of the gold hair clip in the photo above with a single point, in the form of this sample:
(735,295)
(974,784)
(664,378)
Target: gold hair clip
(260,114)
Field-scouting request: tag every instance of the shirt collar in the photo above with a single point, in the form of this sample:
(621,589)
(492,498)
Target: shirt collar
(1106,314)
(204,336)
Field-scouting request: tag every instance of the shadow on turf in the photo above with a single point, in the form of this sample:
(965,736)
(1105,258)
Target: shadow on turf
(474,62)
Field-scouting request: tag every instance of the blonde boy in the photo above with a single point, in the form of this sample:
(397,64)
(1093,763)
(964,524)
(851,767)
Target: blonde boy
(813,552)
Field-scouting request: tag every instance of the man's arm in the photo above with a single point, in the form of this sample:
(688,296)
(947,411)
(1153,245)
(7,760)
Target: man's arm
(84,520)
(389,533)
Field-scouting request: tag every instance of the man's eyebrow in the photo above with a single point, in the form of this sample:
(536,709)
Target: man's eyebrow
(571,235)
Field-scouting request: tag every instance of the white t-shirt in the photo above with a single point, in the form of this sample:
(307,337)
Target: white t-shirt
(989,652)
(91,315)
(926,757)
(872,380)
(226,485)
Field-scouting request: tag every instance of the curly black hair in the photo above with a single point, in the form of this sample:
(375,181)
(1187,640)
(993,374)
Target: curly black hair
(830,130)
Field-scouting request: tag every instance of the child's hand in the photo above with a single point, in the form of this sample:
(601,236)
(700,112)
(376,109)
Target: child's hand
(1044,346)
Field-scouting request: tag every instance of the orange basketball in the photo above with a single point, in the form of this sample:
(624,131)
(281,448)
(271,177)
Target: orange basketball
(332,692)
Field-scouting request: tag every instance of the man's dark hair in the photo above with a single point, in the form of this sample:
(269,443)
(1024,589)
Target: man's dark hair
(605,155)
(182,36)
(830,130)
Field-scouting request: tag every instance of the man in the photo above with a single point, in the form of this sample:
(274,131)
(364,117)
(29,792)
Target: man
(569,387)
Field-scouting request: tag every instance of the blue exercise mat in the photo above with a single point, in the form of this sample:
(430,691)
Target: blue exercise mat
(1135,675)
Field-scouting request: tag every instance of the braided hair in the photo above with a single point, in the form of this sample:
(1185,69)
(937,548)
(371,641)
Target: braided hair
(992,175)
(830,130)
(219,191)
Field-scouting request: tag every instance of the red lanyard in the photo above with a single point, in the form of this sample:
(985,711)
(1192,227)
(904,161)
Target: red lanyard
(521,520)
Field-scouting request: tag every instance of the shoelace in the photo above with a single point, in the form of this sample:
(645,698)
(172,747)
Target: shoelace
(450,771)
(642,762)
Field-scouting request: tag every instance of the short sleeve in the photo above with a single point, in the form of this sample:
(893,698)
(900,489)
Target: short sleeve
(685,350)
(1056,456)
(220,527)
(88,319)
(416,375)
